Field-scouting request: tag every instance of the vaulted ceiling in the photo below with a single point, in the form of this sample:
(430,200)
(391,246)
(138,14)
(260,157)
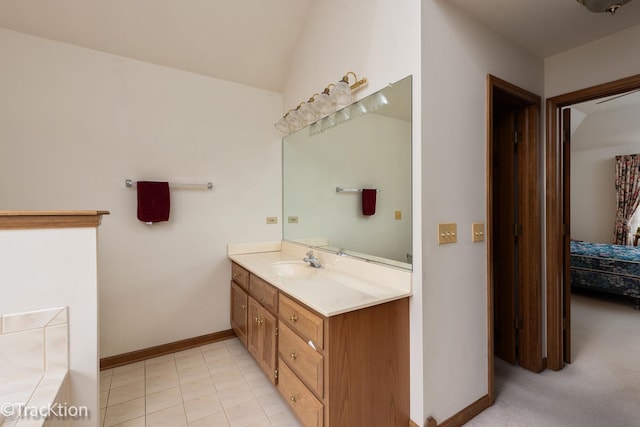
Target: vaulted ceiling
(252,41)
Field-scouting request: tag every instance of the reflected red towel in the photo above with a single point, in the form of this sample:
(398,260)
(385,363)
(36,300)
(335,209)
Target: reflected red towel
(369,201)
(153,201)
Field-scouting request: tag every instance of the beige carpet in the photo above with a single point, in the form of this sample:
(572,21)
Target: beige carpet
(601,388)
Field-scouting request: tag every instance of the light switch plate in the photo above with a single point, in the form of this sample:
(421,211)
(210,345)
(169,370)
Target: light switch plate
(477,232)
(447,233)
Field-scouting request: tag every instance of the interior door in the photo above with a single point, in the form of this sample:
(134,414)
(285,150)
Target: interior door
(566,238)
(504,245)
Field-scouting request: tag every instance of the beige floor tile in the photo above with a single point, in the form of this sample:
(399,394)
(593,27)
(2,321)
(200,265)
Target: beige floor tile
(125,392)
(235,395)
(228,379)
(252,371)
(159,359)
(193,373)
(127,377)
(217,420)
(245,413)
(161,382)
(173,416)
(272,403)
(285,419)
(127,368)
(161,368)
(261,385)
(137,422)
(197,388)
(203,406)
(125,411)
(163,399)
(213,346)
(215,354)
(104,396)
(189,361)
(222,365)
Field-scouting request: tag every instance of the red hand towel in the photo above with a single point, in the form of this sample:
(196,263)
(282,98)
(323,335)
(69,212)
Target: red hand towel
(153,201)
(369,201)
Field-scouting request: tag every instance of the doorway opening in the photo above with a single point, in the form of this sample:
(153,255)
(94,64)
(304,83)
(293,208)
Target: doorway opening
(558,224)
(514,246)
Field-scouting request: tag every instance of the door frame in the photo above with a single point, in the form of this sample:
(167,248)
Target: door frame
(532,225)
(557,292)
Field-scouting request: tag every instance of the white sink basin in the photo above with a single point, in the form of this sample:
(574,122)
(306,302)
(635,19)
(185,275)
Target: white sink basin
(293,269)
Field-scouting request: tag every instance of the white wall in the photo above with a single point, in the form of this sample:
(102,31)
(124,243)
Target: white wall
(606,59)
(41,269)
(598,139)
(76,123)
(380,40)
(457,55)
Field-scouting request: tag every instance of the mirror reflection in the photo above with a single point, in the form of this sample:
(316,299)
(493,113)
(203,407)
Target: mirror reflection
(327,165)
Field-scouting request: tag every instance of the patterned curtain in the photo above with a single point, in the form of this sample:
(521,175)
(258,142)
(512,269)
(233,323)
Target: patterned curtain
(627,195)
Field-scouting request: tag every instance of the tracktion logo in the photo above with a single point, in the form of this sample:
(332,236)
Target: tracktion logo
(52,410)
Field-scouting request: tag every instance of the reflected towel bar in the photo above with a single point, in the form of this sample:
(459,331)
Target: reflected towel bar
(129,183)
(351,190)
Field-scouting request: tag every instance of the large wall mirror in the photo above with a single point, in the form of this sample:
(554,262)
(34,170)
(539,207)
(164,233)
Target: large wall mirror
(326,165)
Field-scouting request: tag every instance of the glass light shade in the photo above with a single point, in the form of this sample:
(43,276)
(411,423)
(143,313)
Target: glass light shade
(315,128)
(283,126)
(358,110)
(377,101)
(294,120)
(307,113)
(343,115)
(323,104)
(341,94)
(327,123)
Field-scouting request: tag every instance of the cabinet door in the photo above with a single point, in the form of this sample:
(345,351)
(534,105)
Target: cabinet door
(239,308)
(253,329)
(269,341)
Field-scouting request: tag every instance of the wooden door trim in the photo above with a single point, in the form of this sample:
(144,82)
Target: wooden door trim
(554,201)
(533,105)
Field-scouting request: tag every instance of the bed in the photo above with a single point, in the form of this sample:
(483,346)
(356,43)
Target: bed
(607,268)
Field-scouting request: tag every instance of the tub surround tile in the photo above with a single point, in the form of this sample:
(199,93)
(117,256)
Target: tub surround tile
(29,320)
(57,347)
(21,354)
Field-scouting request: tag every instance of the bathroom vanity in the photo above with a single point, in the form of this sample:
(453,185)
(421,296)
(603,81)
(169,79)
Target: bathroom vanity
(334,340)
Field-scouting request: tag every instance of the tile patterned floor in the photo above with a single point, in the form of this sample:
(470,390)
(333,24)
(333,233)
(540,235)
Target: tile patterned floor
(215,385)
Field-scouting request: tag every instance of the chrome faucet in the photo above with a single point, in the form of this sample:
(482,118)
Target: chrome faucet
(312,260)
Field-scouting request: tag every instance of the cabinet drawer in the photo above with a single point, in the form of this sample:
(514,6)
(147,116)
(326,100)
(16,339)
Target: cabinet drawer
(307,363)
(305,405)
(308,324)
(240,276)
(264,293)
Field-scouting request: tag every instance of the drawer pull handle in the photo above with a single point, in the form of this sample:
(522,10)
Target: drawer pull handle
(293,356)
(257,320)
(293,318)
(293,399)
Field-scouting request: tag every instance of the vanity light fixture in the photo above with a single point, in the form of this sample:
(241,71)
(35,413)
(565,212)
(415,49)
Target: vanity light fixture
(600,6)
(320,105)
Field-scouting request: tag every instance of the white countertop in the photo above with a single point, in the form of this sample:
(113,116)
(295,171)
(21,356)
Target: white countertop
(338,287)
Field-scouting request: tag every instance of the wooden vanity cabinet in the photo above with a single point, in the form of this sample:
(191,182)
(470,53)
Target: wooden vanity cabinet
(350,369)
(262,338)
(357,368)
(239,309)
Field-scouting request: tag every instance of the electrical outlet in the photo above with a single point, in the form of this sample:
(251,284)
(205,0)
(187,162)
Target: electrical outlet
(477,232)
(447,233)
(293,220)
(272,220)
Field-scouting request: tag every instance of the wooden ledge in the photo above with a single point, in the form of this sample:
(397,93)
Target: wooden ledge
(21,220)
